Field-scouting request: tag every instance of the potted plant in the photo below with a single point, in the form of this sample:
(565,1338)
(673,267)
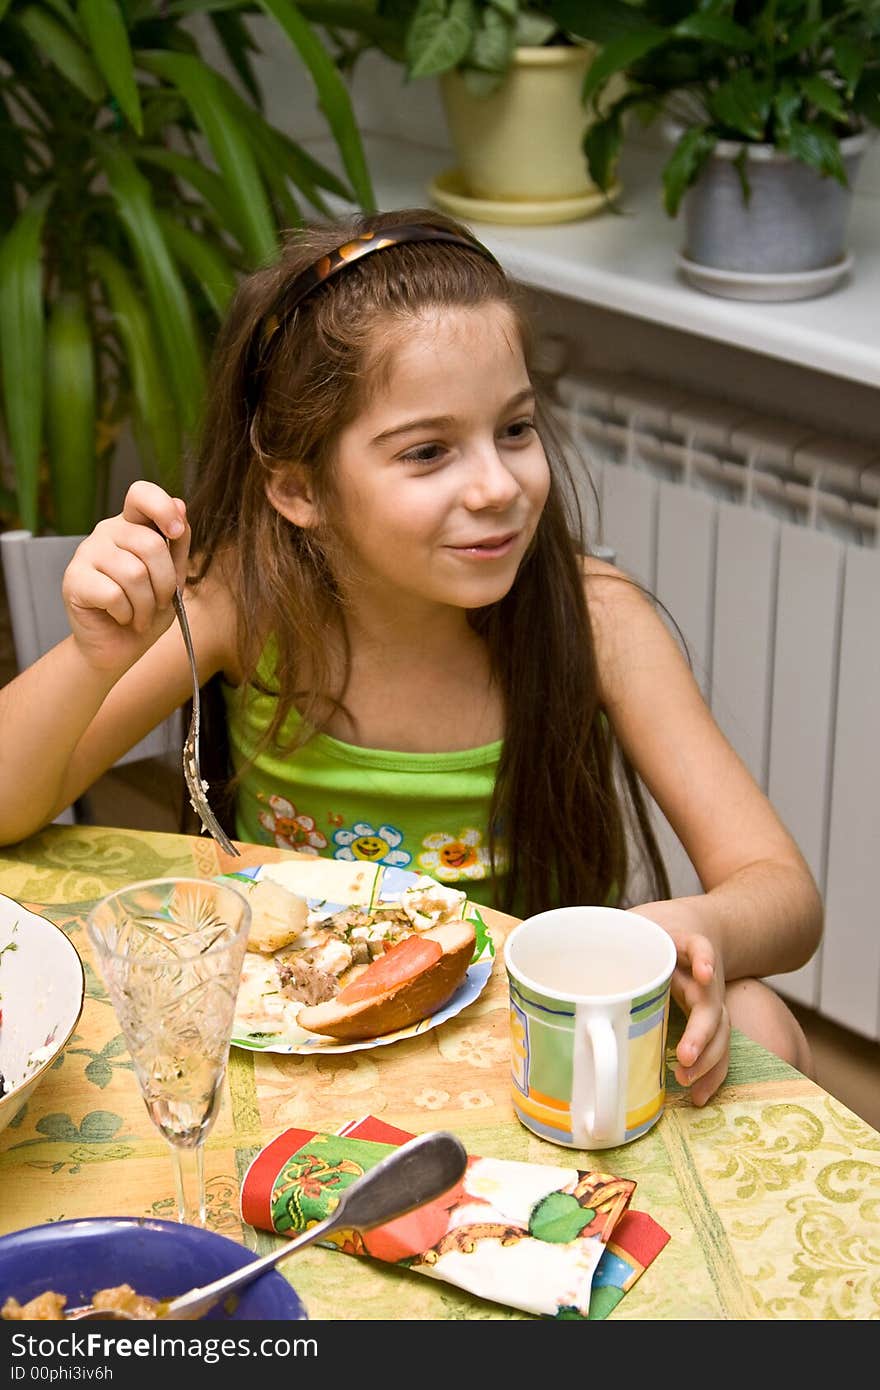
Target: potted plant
(136,182)
(510,78)
(767,104)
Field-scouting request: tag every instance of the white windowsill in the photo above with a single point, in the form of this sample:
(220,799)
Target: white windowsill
(627,264)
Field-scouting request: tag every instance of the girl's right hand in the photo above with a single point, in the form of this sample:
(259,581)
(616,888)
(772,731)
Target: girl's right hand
(119,586)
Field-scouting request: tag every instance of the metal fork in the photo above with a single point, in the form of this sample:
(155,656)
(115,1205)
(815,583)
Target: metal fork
(192,774)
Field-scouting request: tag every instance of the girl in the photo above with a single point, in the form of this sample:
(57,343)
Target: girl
(419,664)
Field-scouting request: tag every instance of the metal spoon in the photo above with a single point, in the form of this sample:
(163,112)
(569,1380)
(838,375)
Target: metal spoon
(416,1173)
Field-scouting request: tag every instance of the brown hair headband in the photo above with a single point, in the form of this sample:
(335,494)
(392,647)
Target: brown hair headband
(327,266)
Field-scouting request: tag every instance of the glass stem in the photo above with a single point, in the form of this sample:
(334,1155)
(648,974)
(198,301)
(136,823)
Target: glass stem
(189,1175)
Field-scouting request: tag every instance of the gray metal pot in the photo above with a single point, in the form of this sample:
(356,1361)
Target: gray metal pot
(795,220)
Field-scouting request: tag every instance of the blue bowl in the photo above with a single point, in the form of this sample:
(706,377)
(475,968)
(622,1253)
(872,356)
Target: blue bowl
(158,1258)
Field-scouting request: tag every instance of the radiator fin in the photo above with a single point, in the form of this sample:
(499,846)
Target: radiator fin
(761,538)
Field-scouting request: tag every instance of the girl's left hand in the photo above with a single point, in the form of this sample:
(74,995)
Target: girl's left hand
(698,987)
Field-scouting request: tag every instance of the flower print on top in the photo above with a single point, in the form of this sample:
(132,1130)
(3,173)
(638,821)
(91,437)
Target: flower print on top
(380,846)
(452,857)
(289,828)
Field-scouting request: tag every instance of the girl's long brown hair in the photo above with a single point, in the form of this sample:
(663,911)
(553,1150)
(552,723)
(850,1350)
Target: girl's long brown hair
(564,791)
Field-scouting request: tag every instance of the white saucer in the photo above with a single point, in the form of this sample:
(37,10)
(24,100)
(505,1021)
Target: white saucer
(737,284)
(448,191)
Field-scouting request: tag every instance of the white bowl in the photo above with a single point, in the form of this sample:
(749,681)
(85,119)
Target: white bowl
(42,988)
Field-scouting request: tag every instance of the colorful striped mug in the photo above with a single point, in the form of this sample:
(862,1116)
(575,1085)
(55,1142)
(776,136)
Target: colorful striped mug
(589,1013)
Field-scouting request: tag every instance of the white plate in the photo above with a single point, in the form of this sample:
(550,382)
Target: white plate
(737,284)
(330,885)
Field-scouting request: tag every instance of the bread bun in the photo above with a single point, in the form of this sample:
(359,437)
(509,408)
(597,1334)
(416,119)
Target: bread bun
(408,983)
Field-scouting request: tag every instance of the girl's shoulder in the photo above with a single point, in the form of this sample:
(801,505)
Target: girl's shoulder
(626,624)
(611,593)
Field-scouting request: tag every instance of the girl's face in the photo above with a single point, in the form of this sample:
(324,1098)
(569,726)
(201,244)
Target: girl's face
(441,480)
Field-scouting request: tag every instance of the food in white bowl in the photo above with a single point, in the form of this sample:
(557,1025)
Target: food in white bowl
(42,988)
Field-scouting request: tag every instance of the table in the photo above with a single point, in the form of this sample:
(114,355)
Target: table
(771,1193)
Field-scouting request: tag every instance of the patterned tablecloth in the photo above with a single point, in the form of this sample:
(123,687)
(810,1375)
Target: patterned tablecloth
(771,1194)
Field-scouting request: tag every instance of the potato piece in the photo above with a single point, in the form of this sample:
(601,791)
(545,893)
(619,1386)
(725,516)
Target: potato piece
(277,916)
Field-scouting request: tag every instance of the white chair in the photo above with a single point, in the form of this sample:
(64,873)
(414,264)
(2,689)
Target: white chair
(33,567)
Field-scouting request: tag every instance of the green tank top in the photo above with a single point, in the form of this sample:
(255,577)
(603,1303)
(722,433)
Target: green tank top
(426,812)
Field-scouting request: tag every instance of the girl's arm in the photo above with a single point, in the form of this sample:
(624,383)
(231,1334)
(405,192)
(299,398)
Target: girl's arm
(124,669)
(761,908)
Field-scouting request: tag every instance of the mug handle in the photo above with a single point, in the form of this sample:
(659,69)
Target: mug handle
(602,1119)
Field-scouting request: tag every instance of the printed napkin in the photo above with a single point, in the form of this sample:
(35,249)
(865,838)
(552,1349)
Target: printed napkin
(549,1240)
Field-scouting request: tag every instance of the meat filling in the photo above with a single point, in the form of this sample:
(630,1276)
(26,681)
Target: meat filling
(306,983)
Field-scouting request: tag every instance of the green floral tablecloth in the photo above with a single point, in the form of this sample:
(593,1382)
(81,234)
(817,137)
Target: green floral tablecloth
(771,1194)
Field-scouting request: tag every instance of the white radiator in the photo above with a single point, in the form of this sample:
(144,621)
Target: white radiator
(763,541)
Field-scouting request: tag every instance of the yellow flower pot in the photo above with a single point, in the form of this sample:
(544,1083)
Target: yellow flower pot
(523,143)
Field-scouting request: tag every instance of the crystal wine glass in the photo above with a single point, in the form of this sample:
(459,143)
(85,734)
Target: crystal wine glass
(171,952)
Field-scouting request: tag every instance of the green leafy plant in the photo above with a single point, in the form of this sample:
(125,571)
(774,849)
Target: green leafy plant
(796,74)
(137,181)
(430,37)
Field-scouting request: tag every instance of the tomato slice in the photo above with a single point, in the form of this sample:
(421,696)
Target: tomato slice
(398,964)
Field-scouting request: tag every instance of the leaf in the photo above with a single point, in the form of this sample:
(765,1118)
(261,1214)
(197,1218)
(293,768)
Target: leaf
(56,1126)
(381,31)
(601,145)
(7,506)
(559,1218)
(108,35)
(70,415)
(198,175)
(99,1073)
(100,1126)
(533,30)
(849,59)
(602,21)
(484,942)
(823,95)
(800,39)
(787,102)
(21,348)
(155,420)
(819,148)
(279,159)
(204,91)
(493,43)
(65,12)
(438,36)
(204,262)
(741,165)
(481,84)
(333,96)
(237,43)
(57,43)
(867,96)
(683,168)
(198,6)
(742,105)
(719,29)
(618,55)
(166,293)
